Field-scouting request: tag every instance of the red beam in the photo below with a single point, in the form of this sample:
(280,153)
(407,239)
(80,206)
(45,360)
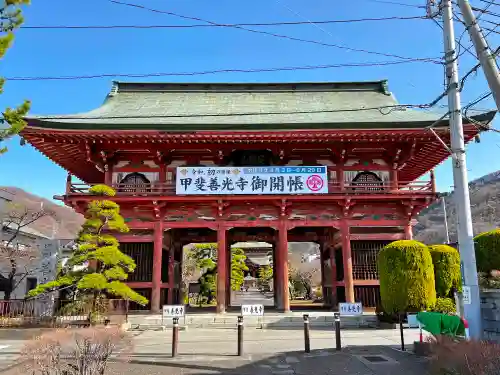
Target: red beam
(377,236)
(140,284)
(361,283)
(140,224)
(260,198)
(291,224)
(377,223)
(134,238)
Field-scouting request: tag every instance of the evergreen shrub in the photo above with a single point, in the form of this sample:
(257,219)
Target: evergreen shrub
(487,247)
(446,261)
(445,306)
(406,277)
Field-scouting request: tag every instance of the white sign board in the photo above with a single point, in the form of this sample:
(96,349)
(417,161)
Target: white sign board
(251,180)
(466,295)
(253,310)
(349,309)
(173,311)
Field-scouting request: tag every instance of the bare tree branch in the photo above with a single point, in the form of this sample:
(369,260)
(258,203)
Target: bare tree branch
(13,222)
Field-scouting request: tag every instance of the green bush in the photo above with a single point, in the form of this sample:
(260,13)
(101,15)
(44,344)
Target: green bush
(406,277)
(487,247)
(446,261)
(103,190)
(445,306)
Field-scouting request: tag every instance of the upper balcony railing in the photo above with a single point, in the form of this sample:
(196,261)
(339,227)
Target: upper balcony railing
(334,187)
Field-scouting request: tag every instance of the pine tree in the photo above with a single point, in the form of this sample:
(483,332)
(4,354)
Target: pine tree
(97,267)
(10,19)
(238,266)
(205,256)
(265,276)
(265,273)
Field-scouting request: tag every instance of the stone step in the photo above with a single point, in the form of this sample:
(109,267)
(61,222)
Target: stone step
(268,321)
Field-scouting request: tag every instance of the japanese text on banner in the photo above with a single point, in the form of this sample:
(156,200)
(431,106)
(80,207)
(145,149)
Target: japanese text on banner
(251,180)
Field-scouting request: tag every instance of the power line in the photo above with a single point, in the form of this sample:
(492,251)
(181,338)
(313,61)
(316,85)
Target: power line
(397,3)
(474,70)
(207,72)
(486,11)
(490,2)
(381,109)
(261,24)
(137,6)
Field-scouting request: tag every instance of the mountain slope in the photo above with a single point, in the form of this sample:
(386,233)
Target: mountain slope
(485,207)
(67,222)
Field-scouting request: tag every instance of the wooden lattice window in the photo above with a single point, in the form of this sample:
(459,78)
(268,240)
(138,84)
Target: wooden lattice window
(134,183)
(367,181)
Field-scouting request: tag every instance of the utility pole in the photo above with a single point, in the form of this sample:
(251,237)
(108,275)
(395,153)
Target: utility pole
(472,309)
(486,58)
(447,233)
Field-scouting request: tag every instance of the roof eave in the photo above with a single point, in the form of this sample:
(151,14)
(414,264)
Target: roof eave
(49,124)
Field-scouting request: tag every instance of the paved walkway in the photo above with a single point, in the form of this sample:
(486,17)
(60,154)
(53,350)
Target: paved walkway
(266,352)
(252,297)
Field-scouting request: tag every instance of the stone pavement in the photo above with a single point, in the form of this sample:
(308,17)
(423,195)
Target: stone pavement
(266,352)
(374,360)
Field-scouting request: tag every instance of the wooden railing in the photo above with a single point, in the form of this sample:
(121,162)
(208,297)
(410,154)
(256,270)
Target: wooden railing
(334,187)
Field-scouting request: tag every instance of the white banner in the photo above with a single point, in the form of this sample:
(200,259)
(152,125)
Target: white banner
(251,180)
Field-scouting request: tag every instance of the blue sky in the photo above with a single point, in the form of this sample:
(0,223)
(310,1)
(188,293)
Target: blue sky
(82,52)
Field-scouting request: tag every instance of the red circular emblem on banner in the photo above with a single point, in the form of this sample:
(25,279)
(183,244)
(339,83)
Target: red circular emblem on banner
(314,182)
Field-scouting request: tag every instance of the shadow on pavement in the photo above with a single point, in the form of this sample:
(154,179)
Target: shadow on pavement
(359,360)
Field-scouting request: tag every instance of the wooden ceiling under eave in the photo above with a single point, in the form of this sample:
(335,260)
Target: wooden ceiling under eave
(67,148)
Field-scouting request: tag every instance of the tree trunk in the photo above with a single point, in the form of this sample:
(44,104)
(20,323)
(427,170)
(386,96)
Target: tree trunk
(9,288)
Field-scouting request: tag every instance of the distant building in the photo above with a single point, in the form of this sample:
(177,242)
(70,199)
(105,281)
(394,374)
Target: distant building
(36,254)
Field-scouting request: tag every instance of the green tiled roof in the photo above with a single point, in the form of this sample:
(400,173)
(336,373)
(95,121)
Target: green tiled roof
(240,106)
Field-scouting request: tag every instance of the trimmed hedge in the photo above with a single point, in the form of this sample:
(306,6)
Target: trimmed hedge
(445,306)
(487,247)
(406,277)
(446,261)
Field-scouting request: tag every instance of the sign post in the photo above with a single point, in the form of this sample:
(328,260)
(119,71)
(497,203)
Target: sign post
(175,312)
(240,336)
(338,342)
(307,340)
(466,296)
(252,310)
(351,309)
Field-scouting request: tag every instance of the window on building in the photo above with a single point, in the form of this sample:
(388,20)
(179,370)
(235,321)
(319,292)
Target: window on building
(31,283)
(367,181)
(134,183)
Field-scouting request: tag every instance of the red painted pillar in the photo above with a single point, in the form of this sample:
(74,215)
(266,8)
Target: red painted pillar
(68,184)
(433,181)
(284,301)
(157,255)
(393,174)
(221,269)
(340,178)
(108,175)
(322,250)
(333,267)
(408,231)
(347,257)
(277,275)
(171,275)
